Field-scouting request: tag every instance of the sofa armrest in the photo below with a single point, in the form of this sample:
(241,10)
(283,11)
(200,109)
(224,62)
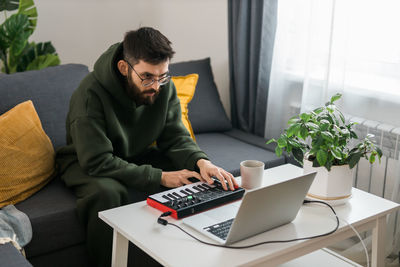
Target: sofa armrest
(11,257)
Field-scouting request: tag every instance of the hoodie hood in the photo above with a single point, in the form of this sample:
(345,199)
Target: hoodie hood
(107,74)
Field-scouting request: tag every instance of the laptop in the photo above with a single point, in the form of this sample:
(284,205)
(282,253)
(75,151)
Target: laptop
(260,210)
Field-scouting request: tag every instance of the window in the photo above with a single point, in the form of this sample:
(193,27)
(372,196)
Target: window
(348,46)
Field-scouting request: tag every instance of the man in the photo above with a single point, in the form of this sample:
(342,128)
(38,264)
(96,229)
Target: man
(125,138)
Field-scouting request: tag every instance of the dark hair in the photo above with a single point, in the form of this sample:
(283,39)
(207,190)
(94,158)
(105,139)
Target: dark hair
(146,44)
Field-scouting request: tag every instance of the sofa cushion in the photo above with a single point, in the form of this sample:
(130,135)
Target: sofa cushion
(227,152)
(49,89)
(185,87)
(75,256)
(55,225)
(250,139)
(206,112)
(260,142)
(11,257)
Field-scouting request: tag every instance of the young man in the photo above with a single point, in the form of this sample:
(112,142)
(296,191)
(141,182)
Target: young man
(125,138)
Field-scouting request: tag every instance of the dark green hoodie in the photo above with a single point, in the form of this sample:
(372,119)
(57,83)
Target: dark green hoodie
(107,133)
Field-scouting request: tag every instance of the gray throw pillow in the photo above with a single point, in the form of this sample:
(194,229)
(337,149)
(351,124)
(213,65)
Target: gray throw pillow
(206,113)
(49,89)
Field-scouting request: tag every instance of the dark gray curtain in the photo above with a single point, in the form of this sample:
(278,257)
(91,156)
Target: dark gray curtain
(252,25)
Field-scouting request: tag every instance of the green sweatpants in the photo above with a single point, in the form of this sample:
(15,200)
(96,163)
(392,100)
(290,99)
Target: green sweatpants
(96,194)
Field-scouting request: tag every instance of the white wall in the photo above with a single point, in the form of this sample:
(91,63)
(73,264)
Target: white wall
(81,30)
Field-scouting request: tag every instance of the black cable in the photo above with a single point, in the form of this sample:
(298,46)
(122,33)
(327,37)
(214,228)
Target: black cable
(165,222)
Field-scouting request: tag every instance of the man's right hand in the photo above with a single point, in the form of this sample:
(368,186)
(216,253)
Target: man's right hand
(178,178)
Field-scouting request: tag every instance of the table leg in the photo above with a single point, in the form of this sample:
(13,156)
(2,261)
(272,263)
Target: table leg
(378,242)
(119,250)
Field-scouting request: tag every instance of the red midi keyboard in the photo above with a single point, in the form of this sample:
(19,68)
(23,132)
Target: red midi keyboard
(193,198)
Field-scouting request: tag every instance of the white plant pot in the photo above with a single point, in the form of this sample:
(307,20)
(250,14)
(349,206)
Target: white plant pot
(334,185)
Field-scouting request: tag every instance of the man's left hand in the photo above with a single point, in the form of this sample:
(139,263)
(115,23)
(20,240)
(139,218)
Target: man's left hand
(207,170)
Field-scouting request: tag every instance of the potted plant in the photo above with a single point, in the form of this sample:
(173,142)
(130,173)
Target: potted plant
(321,140)
(16,52)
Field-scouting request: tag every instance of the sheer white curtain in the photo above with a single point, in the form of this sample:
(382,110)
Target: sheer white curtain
(327,46)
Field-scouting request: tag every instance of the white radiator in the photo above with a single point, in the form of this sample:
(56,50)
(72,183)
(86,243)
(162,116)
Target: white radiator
(378,179)
(382,179)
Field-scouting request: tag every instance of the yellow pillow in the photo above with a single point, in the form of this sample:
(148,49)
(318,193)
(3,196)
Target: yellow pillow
(185,87)
(26,154)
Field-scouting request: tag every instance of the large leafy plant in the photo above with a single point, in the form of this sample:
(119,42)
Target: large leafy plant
(324,136)
(16,52)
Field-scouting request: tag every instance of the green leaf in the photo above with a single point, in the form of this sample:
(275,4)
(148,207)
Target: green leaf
(303,133)
(278,151)
(312,126)
(14,34)
(328,117)
(270,141)
(316,163)
(317,141)
(305,117)
(353,134)
(325,127)
(298,154)
(9,5)
(318,110)
(288,148)
(331,108)
(379,151)
(282,142)
(354,159)
(335,97)
(370,136)
(45,48)
(336,153)
(293,130)
(3,57)
(372,158)
(327,136)
(345,132)
(27,56)
(28,8)
(293,142)
(322,156)
(44,61)
(328,165)
(334,119)
(293,120)
(32,52)
(324,121)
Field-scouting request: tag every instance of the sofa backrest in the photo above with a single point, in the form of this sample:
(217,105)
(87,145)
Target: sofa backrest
(206,113)
(50,90)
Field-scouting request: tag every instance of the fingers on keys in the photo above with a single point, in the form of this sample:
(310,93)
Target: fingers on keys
(227,178)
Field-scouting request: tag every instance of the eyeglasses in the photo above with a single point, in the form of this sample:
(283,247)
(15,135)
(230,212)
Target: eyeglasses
(149,81)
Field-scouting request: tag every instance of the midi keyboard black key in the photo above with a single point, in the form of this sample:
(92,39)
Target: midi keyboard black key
(193,198)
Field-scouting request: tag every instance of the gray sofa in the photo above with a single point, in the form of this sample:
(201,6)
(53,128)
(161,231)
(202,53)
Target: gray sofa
(58,237)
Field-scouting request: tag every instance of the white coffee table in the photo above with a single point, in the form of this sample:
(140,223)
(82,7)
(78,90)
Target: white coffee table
(171,247)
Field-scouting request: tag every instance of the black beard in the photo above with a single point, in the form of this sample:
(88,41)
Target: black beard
(138,96)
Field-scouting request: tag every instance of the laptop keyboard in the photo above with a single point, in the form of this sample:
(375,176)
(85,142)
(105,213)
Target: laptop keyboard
(220,229)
